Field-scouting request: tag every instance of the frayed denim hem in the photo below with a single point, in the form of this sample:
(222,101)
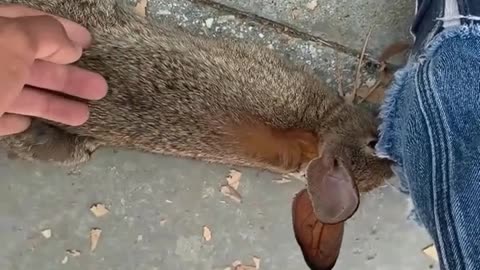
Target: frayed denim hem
(390,143)
(389,111)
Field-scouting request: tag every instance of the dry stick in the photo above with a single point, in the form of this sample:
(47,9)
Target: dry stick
(360,64)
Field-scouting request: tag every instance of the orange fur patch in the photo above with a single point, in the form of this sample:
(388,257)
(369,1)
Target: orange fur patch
(286,149)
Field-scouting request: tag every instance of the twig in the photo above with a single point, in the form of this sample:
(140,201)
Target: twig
(360,64)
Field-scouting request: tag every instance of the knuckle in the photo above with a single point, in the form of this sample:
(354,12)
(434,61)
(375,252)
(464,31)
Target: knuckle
(42,106)
(57,74)
(14,30)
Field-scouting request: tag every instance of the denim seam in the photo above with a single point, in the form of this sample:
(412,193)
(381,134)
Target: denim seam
(432,143)
(431,101)
(447,171)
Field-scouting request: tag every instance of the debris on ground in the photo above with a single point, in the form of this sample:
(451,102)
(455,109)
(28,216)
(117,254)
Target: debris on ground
(230,188)
(99,210)
(209,22)
(163,221)
(230,192)
(65,260)
(284,180)
(74,252)
(94,237)
(256,261)
(431,252)
(300,176)
(233,179)
(47,233)
(207,233)
(312,4)
(238,265)
(141,8)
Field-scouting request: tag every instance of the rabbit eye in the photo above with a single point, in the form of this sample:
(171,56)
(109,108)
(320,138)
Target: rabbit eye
(372,143)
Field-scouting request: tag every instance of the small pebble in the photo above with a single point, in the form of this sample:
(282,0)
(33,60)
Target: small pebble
(164,12)
(209,22)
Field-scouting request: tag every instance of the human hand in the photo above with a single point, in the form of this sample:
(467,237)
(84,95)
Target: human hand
(35,50)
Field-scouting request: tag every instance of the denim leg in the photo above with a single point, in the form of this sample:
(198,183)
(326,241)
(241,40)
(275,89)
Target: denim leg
(431,129)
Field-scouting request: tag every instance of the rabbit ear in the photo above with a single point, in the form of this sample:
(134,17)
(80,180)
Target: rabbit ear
(332,190)
(320,243)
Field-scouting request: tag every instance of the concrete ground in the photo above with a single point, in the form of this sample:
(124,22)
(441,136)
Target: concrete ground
(159,205)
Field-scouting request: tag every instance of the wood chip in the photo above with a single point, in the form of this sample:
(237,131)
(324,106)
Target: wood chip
(163,221)
(99,210)
(238,265)
(94,237)
(245,267)
(141,8)
(47,233)
(256,261)
(431,252)
(74,252)
(207,233)
(230,192)
(282,181)
(233,179)
(65,260)
(312,4)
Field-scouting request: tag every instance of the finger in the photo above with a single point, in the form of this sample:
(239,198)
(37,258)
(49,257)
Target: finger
(77,33)
(12,76)
(38,103)
(12,124)
(70,80)
(29,44)
(44,36)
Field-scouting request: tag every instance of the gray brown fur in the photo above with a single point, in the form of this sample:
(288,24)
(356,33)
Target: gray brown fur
(172,93)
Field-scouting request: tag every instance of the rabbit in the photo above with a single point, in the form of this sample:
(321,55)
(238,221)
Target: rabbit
(174,93)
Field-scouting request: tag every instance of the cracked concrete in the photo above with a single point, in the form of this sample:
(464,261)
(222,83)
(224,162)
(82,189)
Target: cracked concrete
(158,205)
(342,22)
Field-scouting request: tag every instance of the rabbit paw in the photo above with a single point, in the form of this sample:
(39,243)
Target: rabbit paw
(42,142)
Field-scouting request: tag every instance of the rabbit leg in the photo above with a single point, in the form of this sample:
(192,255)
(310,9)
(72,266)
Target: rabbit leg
(43,142)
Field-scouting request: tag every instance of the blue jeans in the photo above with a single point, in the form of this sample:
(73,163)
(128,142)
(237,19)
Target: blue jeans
(431,128)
